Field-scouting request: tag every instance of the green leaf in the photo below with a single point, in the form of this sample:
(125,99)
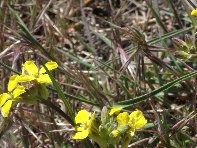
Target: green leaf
(104,39)
(139,99)
(75,58)
(61,94)
(9,68)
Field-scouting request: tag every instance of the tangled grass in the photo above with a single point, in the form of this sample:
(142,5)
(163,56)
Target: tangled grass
(137,54)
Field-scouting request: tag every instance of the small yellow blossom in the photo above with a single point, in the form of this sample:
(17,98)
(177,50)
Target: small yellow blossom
(194,12)
(31,72)
(84,119)
(115,111)
(135,120)
(123,119)
(14,92)
(115,133)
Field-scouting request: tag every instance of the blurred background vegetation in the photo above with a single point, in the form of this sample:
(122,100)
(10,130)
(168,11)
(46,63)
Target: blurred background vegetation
(140,54)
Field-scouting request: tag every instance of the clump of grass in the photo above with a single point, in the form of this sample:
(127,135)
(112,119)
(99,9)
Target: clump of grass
(133,54)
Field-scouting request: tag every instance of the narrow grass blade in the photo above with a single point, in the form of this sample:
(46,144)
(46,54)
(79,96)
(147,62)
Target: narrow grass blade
(190,2)
(175,13)
(139,99)
(8,67)
(61,94)
(159,21)
(58,110)
(5,125)
(26,126)
(169,35)
(74,58)
(107,41)
(81,99)
(28,36)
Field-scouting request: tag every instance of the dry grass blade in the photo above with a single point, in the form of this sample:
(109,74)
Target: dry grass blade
(127,63)
(24,124)
(2,54)
(138,143)
(182,122)
(110,53)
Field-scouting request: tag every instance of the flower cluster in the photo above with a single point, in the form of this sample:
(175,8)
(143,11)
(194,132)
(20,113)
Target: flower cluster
(24,87)
(194,12)
(186,50)
(111,128)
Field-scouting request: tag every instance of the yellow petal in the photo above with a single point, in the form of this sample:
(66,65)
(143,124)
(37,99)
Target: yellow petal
(13,81)
(81,135)
(3,98)
(82,116)
(50,66)
(30,67)
(194,12)
(18,91)
(115,111)
(115,133)
(44,78)
(123,119)
(26,78)
(137,120)
(6,108)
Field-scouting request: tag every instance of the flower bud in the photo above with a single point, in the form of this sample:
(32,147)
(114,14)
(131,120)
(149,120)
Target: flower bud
(181,55)
(181,45)
(188,40)
(104,115)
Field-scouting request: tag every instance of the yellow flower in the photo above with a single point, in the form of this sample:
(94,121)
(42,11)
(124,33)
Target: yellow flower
(115,133)
(14,92)
(115,111)
(84,119)
(123,119)
(194,12)
(31,72)
(135,120)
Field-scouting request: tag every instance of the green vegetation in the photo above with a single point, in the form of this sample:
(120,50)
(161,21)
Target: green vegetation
(122,72)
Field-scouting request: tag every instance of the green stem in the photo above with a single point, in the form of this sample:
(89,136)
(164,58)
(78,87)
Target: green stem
(126,141)
(51,105)
(99,140)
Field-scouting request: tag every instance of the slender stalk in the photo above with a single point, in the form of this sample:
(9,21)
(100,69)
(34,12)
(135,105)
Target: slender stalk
(59,111)
(126,142)
(6,124)
(191,4)
(194,106)
(175,13)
